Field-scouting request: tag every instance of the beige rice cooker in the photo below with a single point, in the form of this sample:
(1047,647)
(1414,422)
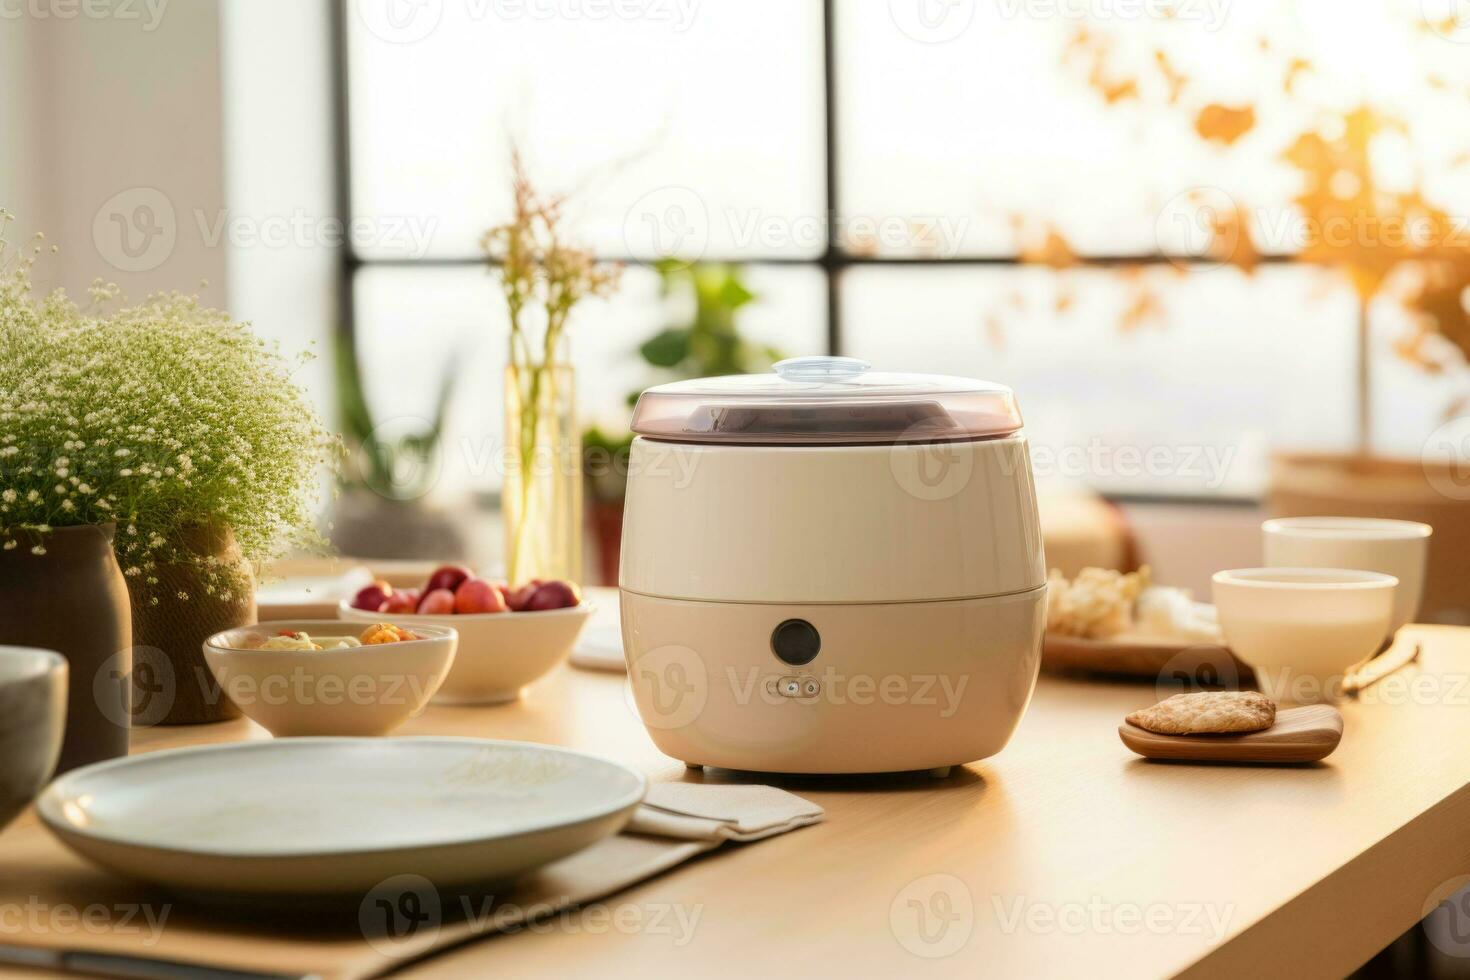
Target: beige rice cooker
(831,570)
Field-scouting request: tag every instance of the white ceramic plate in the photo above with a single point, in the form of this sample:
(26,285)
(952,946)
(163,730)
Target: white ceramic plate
(339,815)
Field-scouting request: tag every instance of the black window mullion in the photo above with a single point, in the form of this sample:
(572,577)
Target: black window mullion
(832,256)
(347,259)
(832,262)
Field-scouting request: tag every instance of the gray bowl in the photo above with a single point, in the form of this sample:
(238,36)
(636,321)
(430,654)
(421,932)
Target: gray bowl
(32,717)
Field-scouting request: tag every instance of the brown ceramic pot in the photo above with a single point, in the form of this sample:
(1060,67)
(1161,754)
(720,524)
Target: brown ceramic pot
(73,599)
(606,519)
(172,683)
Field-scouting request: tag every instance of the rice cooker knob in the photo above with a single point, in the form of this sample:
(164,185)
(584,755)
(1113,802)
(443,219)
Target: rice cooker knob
(796,642)
(820,370)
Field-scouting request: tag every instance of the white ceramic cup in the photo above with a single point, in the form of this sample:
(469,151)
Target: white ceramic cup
(1300,629)
(1397,548)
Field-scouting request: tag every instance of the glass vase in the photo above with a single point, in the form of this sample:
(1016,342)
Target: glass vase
(542,500)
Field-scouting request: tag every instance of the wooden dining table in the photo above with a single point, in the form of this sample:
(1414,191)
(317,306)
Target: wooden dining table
(1064,855)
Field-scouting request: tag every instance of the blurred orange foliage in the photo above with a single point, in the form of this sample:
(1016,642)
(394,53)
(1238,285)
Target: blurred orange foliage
(1389,242)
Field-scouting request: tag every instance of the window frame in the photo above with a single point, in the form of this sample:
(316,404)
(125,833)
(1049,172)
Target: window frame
(832,262)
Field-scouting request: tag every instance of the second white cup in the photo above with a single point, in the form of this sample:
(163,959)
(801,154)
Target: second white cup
(1397,548)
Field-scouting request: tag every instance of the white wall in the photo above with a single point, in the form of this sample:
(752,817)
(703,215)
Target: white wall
(173,142)
(280,245)
(18,136)
(122,147)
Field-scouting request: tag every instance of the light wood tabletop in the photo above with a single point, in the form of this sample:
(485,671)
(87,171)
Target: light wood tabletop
(1063,855)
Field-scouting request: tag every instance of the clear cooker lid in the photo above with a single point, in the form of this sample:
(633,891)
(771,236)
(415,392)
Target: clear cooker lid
(826,401)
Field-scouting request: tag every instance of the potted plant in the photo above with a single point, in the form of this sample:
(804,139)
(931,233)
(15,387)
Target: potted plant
(174,432)
(701,339)
(383,510)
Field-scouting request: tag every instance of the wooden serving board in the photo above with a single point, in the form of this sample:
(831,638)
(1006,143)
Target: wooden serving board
(1208,664)
(1303,734)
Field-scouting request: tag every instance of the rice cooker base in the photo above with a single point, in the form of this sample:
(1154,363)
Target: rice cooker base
(893,686)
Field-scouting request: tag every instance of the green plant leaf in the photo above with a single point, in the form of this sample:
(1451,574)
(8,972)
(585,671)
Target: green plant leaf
(356,417)
(733,293)
(447,381)
(667,348)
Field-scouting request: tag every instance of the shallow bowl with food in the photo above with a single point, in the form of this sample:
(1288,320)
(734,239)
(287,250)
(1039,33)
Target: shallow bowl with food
(367,689)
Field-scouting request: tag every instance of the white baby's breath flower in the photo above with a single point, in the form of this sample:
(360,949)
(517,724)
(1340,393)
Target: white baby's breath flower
(157,415)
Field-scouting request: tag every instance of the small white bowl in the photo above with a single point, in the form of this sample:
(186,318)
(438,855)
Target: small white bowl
(1300,629)
(366,690)
(32,720)
(499,653)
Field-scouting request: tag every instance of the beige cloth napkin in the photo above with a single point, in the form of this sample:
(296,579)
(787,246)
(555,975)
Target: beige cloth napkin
(676,822)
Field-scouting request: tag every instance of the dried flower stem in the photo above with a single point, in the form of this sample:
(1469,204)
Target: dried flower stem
(538,270)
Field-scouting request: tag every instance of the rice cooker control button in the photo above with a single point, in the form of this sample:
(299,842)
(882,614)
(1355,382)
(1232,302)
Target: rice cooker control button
(789,687)
(796,642)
